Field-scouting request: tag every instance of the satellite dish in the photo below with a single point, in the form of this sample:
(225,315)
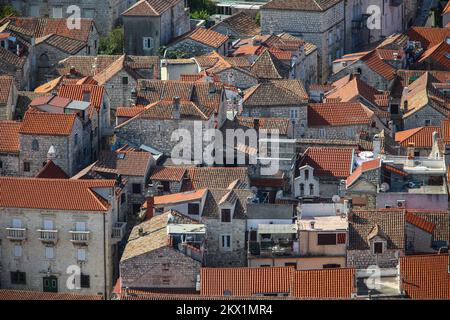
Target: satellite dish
(384,187)
(336,198)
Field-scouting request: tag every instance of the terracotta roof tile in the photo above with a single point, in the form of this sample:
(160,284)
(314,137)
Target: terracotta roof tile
(43,123)
(6,82)
(334,162)
(336,114)
(421,137)
(375,63)
(149,8)
(336,283)
(245,281)
(425,276)
(241,23)
(127,163)
(428,37)
(267,66)
(77,92)
(204,36)
(180,197)
(364,167)
(276,93)
(9,136)
(52,171)
(7,294)
(300,5)
(168,174)
(42,194)
(437,56)
(419,222)
(129,112)
(441,220)
(214,177)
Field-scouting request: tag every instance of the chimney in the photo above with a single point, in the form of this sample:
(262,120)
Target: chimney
(311,224)
(51,154)
(435,151)
(376,143)
(212,88)
(176,108)
(410,151)
(150,201)
(72,71)
(18,50)
(395,54)
(141,232)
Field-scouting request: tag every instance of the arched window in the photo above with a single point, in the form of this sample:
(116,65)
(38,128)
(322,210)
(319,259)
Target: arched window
(311,189)
(44,61)
(35,145)
(302,189)
(76,139)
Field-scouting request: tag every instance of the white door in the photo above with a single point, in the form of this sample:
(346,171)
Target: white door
(17,223)
(48,225)
(80,226)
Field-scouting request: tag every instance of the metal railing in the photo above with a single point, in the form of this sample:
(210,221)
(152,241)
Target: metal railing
(16,233)
(79,236)
(48,235)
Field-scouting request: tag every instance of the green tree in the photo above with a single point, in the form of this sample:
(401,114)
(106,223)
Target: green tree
(7,10)
(112,44)
(200,14)
(199,5)
(258,18)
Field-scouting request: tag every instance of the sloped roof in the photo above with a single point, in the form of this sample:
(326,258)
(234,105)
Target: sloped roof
(437,55)
(44,123)
(149,8)
(362,223)
(9,136)
(373,61)
(214,177)
(241,23)
(52,171)
(276,93)
(336,114)
(267,66)
(425,276)
(53,194)
(168,174)
(127,163)
(8,294)
(428,37)
(6,82)
(334,162)
(204,36)
(300,5)
(180,197)
(76,92)
(422,137)
(364,167)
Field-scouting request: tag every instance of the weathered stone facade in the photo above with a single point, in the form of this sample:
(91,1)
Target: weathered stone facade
(426,116)
(216,256)
(194,48)
(325,29)
(362,259)
(9,164)
(161,268)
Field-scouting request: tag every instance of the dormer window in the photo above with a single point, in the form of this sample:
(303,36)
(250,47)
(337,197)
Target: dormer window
(306,174)
(226,215)
(378,247)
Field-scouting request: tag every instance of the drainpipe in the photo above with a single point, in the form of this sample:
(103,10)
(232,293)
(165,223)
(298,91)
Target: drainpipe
(104,254)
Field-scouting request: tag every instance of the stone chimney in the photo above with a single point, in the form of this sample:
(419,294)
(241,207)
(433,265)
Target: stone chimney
(51,154)
(410,154)
(311,224)
(176,108)
(435,151)
(150,202)
(376,143)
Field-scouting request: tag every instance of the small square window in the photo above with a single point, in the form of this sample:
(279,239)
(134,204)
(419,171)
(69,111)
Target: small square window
(26,167)
(226,215)
(81,254)
(136,188)
(124,80)
(378,248)
(49,252)
(18,277)
(85,281)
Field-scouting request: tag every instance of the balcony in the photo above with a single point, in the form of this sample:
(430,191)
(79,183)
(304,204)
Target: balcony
(79,237)
(48,235)
(16,234)
(271,248)
(119,230)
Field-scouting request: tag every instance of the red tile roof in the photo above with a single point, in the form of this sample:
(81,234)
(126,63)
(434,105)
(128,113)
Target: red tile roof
(300,5)
(376,64)
(129,112)
(9,136)
(43,123)
(437,56)
(168,174)
(52,171)
(335,162)
(245,281)
(7,294)
(6,82)
(336,114)
(180,197)
(421,137)
(53,194)
(324,283)
(149,8)
(205,36)
(419,222)
(214,177)
(76,92)
(365,166)
(428,37)
(425,276)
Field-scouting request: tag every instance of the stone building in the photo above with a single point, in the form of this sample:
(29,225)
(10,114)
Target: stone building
(238,26)
(118,74)
(320,171)
(157,122)
(331,121)
(53,40)
(9,148)
(47,236)
(320,23)
(149,25)
(287,99)
(164,252)
(65,133)
(199,41)
(105,13)
(8,98)
(168,179)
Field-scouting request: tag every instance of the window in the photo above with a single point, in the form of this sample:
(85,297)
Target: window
(291,264)
(85,281)
(35,145)
(331,265)
(1,164)
(394,108)
(166,186)
(26,167)
(123,198)
(322,133)
(81,254)
(124,80)
(76,139)
(18,277)
(311,189)
(325,239)
(302,189)
(378,247)
(294,114)
(57,12)
(80,226)
(427,122)
(95,44)
(416,153)
(193,208)
(136,188)
(306,174)
(17,251)
(226,215)
(225,242)
(148,43)
(49,253)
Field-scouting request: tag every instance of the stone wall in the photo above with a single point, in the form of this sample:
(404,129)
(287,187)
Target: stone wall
(241,80)
(362,259)
(118,92)
(215,256)
(161,268)
(417,119)
(193,48)
(9,164)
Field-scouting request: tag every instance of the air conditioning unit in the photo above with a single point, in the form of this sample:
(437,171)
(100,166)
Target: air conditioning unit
(401,204)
